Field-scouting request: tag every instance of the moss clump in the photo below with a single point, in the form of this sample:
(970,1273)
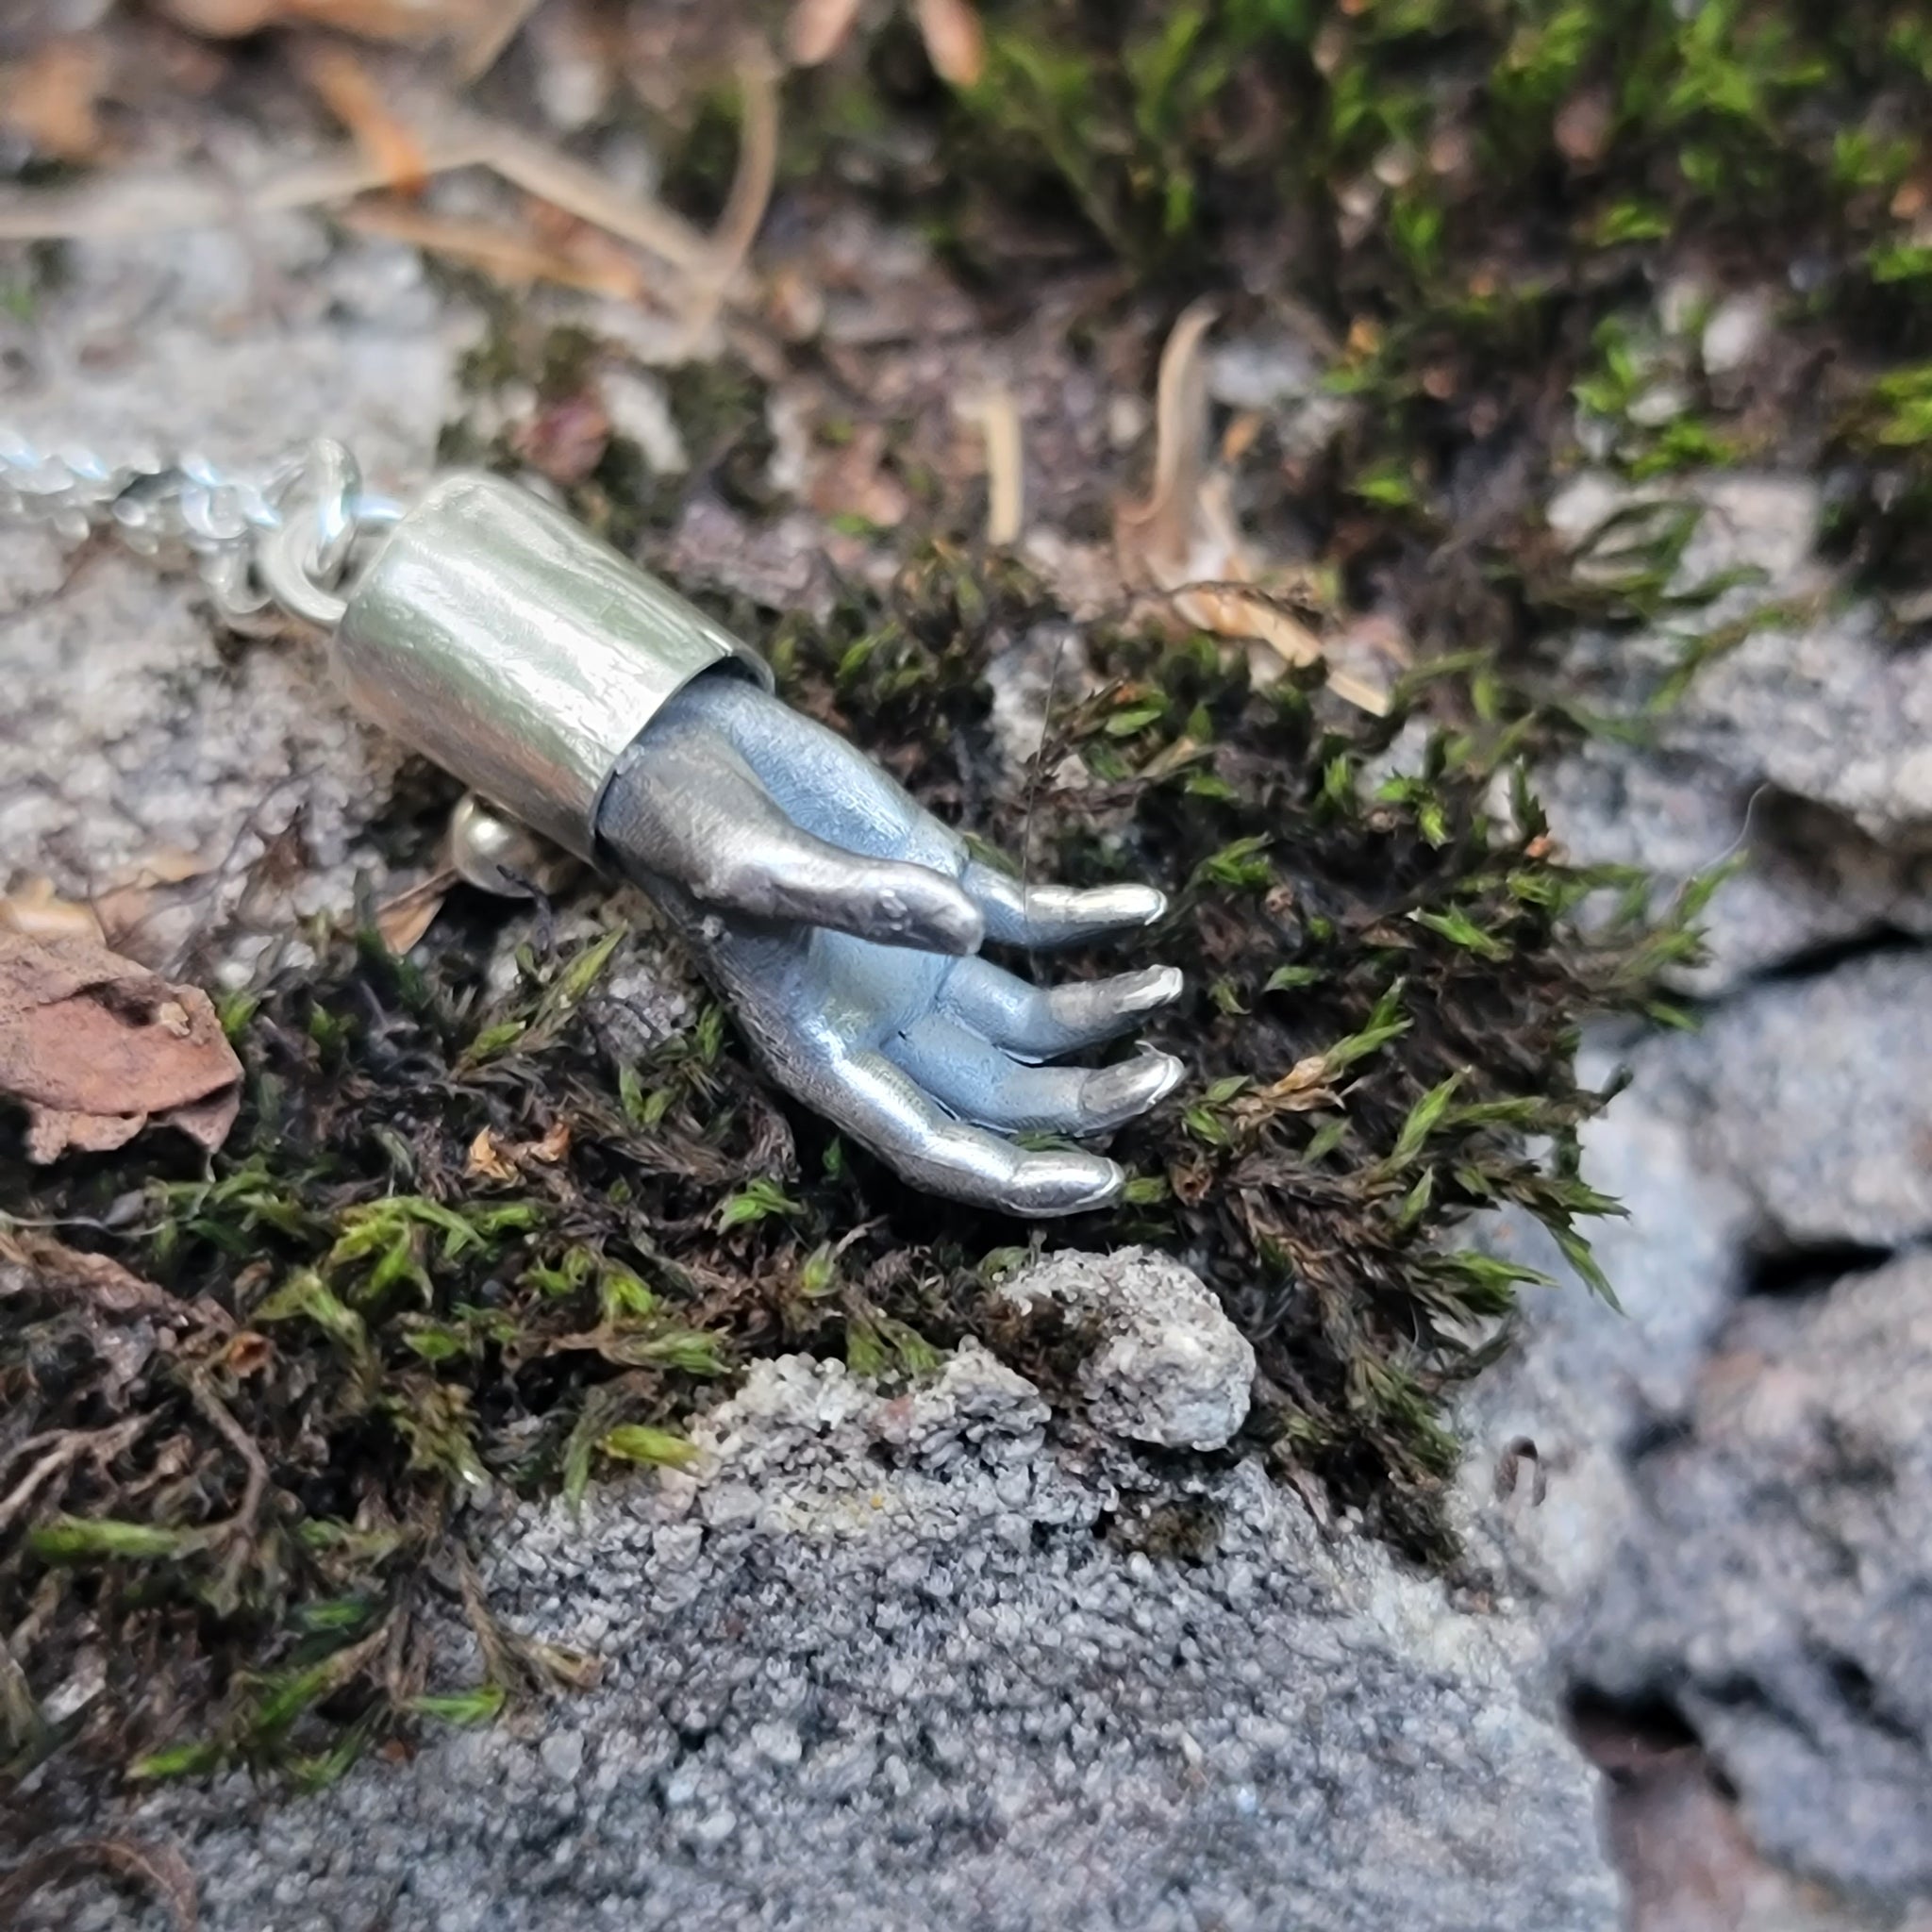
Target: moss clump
(1382,1010)
(459,1246)
(1482,203)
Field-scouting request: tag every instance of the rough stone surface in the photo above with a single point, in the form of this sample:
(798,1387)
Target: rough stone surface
(1816,1095)
(1171,1368)
(1839,712)
(1545,1488)
(1775,1584)
(1716,1504)
(1813,878)
(132,730)
(1805,745)
(886,1661)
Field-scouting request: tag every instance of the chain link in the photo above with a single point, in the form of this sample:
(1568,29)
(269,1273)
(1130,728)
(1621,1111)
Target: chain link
(276,542)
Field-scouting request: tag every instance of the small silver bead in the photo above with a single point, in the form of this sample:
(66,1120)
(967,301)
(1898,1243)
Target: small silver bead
(497,854)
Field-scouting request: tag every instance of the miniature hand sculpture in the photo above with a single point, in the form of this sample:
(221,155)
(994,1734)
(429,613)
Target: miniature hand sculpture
(588,701)
(840,921)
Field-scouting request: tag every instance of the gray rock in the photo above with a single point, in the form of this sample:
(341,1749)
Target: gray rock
(1839,712)
(1171,1369)
(1811,877)
(562,1753)
(1736,334)
(1040,675)
(1775,1585)
(1816,1095)
(874,1664)
(1284,375)
(1544,1491)
(1657,1547)
(132,731)
(1804,746)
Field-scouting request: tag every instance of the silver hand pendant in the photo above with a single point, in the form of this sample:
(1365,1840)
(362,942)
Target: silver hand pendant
(587,704)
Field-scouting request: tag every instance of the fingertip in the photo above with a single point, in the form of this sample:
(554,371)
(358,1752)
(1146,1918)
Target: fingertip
(964,930)
(1164,985)
(1051,1185)
(1172,1071)
(1121,1093)
(1122,905)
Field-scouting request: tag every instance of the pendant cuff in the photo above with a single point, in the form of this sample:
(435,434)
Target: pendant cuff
(523,655)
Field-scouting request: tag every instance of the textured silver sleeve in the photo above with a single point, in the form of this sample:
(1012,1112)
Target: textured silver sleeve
(497,637)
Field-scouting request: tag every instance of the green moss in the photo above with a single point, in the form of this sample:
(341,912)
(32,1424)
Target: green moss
(403,1294)
(1479,192)
(1385,985)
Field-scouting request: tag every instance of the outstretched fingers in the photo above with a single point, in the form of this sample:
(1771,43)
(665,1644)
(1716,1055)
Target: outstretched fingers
(1046,915)
(980,1083)
(1041,1023)
(879,1105)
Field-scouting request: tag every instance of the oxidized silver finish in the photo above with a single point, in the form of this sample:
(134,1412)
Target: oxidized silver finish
(502,639)
(842,921)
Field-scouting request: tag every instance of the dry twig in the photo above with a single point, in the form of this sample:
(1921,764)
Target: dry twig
(998,418)
(1184,538)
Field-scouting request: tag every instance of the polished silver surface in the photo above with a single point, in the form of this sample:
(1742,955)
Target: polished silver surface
(263,545)
(502,639)
(497,854)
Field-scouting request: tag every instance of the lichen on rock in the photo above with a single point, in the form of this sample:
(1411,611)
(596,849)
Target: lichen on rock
(1166,1366)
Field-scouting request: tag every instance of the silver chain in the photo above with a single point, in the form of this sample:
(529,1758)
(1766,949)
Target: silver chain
(279,542)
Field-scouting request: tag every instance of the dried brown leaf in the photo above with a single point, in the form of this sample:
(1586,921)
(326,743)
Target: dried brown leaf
(138,202)
(248,1353)
(1184,538)
(730,247)
(350,93)
(497,25)
(500,253)
(52,99)
(136,894)
(98,1280)
(401,921)
(59,1449)
(1159,535)
(565,440)
(410,21)
(853,481)
(998,417)
(1242,611)
(95,1047)
(1304,1088)
(488,1160)
(222,20)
